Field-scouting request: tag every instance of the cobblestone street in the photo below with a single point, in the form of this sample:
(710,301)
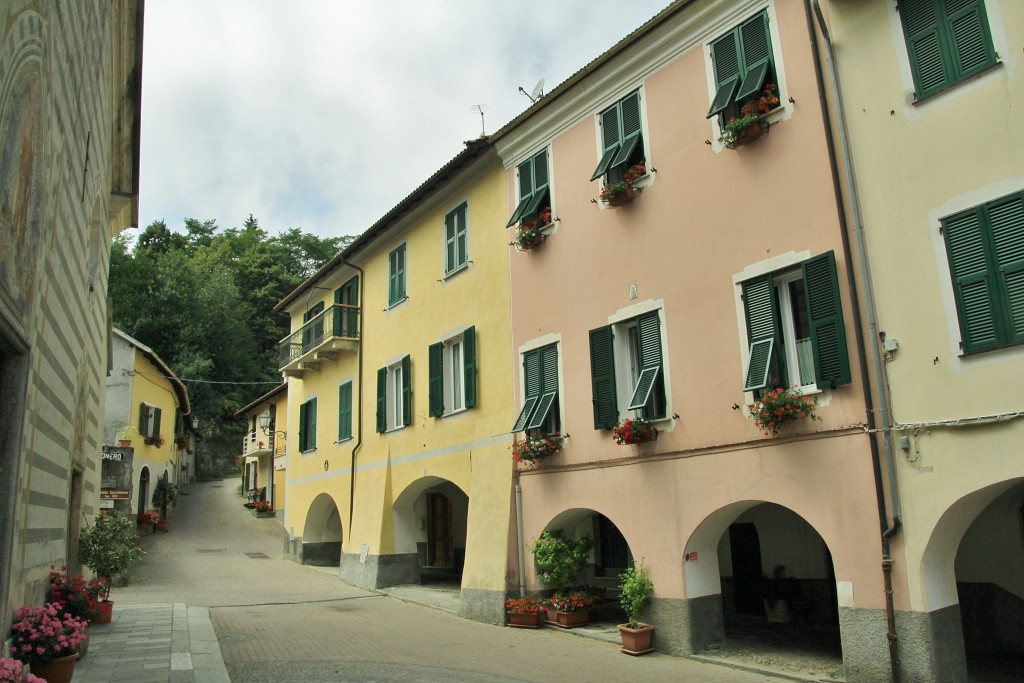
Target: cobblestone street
(279,621)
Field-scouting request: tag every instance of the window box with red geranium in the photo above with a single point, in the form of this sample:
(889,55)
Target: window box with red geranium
(525,612)
(623,191)
(530,232)
(532,449)
(779,407)
(752,122)
(634,431)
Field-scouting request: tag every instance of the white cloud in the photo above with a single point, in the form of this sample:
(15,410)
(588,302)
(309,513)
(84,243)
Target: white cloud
(323,114)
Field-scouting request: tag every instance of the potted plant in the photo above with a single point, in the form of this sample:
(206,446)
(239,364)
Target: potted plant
(108,547)
(559,560)
(525,612)
(634,431)
(623,191)
(779,407)
(147,521)
(164,495)
(75,595)
(635,592)
(531,449)
(125,439)
(154,440)
(572,608)
(751,123)
(12,671)
(262,508)
(46,639)
(530,233)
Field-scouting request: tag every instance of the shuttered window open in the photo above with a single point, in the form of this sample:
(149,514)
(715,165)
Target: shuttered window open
(743,63)
(534,191)
(540,379)
(435,379)
(622,137)
(649,337)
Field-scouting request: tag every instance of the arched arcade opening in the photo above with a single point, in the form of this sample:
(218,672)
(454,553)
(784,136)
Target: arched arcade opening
(430,523)
(322,534)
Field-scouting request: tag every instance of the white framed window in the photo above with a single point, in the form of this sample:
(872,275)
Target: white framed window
(149,420)
(452,373)
(396,275)
(456,239)
(541,412)
(394,395)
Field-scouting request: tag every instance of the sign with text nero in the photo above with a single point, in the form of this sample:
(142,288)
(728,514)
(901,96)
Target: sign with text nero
(116,473)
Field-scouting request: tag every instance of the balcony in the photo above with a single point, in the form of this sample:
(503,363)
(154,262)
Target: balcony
(321,339)
(261,444)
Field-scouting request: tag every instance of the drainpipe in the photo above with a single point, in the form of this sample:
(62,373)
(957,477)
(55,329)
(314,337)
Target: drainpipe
(877,365)
(519,540)
(359,423)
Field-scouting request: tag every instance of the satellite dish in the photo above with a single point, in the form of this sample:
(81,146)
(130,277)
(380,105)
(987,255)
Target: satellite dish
(538,91)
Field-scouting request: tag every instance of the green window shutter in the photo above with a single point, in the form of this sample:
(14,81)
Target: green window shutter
(462,235)
(382,407)
(631,127)
(532,385)
(347,321)
(725,56)
(649,333)
(302,426)
(156,421)
(611,135)
(925,46)
(143,420)
(396,275)
(970,42)
(450,246)
(435,378)
(525,191)
(602,377)
(756,48)
(1006,222)
(973,285)
(345,411)
(825,315)
(311,431)
(549,386)
(469,366)
(406,391)
(761,311)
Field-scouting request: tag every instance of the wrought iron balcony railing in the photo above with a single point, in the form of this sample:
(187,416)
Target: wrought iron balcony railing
(335,329)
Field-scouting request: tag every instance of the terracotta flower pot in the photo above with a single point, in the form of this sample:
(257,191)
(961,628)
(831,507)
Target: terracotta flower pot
(636,641)
(57,671)
(573,619)
(163,525)
(624,198)
(106,612)
(525,619)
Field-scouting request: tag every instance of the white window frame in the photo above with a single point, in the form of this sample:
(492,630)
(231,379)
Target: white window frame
(393,398)
(645,138)
(531,345)
(404,246)
(627,373)
(451,269)
(150,419)
(453,369)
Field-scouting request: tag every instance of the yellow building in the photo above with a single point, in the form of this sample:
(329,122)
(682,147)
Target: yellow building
(399,391)
(265,447)
(146,405)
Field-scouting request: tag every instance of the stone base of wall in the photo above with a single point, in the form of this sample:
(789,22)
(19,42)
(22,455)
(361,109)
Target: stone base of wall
(931,646)
(685,627)
(483,605)
(380,570)
(314,554)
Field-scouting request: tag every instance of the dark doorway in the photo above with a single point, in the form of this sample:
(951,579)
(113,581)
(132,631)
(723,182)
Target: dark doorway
(746,568)
(143,490)
(612,549)
(439,543)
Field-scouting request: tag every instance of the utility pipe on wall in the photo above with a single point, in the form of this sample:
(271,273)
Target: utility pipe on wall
(519,540)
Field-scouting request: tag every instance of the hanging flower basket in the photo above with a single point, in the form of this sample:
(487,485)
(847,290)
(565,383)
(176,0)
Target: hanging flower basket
(529,234)
(780,407)
(634,431)
(625,190)
(534,448)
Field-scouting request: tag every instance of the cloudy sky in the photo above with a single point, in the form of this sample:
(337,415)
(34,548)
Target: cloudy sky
(324,114)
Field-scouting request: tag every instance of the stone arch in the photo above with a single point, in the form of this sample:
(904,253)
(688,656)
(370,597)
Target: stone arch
(142,486)
(323,533)
(430,518)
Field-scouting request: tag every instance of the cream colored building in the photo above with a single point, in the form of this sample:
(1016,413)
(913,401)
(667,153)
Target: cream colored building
(70,91)
(934,114)
(264,458)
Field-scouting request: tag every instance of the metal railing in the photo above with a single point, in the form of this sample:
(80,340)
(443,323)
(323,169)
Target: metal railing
(339,321)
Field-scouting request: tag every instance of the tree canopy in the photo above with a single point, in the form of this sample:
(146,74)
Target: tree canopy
(202,299)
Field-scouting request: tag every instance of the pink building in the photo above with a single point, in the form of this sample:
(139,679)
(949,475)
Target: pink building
(724,275)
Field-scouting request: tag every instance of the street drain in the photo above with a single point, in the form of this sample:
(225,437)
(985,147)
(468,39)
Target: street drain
(257,556)
(210,550)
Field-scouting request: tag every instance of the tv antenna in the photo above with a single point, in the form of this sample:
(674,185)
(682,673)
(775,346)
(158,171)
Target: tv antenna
(481,108)
(538,91)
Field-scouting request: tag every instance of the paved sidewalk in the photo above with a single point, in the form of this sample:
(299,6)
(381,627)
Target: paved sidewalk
(167,643)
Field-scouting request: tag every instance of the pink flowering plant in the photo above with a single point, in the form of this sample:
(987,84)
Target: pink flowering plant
(781,406)
(531,449)
(262,506)
(572,601)
(12,671)
(74,595)
(42,634)
(634,430)
(148,517)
